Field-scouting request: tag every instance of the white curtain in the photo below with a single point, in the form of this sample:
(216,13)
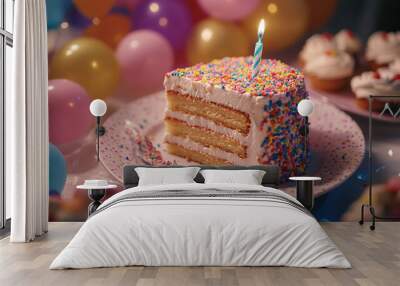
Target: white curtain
(27,124)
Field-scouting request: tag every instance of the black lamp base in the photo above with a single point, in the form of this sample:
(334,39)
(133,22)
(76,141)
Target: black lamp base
(100,130)
(305,194)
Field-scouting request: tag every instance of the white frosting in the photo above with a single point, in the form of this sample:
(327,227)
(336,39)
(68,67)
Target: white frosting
(395,66)
(316,45)
(383,47)
(347,42)
(332,65)
(380,83)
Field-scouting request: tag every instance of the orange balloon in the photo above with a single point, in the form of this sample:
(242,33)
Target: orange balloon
(110,29)
(286,22)
(89,62)
(94,8)
(212,39)
(320,12)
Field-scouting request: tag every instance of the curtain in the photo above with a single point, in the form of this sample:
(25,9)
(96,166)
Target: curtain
(27,124)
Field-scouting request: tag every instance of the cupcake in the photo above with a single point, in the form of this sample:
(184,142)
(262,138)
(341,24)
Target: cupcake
(330,71)
(382,49)
(347,42)
(316,45)
(383,82)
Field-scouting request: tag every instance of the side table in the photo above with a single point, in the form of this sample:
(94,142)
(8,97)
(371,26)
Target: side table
(304,190)
(96,194)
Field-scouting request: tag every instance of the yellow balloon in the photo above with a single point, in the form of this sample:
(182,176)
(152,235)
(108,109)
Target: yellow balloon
(286,22)
(212,39)
(88,62)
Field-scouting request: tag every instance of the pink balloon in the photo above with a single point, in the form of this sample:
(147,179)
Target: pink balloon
(69,115)
(144,57)
(228,10)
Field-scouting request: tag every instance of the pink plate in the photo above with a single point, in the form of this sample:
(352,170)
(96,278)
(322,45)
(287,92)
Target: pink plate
(134,135)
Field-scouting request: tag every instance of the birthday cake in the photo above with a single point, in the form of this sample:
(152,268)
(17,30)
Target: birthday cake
(216,114)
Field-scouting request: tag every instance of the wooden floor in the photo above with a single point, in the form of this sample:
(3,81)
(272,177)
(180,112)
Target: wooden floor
(375,257)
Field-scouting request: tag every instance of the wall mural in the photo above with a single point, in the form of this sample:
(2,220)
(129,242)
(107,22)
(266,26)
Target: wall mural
(120,51)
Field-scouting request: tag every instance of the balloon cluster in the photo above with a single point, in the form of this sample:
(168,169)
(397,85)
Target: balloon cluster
(102,48)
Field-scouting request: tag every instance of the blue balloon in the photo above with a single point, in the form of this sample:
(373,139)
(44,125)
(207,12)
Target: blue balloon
(57,170)
(76,19)
(56,11)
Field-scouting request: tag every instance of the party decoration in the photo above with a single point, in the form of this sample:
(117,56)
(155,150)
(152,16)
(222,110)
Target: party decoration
(94,8)
(89,62)
(197,13)
(144,57)
(58,38)
(110,29)
(75,19)
(213,39)
(171,18)
(228,10)
(287,22)
(258,49)
(57,170)
(69,116)
(320,12)
(56,11)
(129,4)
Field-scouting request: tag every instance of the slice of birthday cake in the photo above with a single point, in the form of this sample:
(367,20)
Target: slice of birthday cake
(217,115)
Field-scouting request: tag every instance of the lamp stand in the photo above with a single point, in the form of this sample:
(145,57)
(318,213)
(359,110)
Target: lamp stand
(100,131)
(304,132)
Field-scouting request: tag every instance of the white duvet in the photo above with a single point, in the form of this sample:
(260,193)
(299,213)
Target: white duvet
(200,231)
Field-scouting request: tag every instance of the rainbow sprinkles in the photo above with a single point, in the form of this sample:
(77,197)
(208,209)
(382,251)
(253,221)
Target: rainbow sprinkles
(217,114)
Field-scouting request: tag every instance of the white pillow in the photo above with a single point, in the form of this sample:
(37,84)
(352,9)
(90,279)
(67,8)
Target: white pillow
(248,177)
(165,176)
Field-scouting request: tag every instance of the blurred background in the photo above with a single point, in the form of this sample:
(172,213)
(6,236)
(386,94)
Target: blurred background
(119,51)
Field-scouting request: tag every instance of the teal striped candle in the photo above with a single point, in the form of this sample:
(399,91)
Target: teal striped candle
(258,50)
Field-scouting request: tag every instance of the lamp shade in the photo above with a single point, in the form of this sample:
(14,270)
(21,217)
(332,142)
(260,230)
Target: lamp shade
(305,107)
(98,107)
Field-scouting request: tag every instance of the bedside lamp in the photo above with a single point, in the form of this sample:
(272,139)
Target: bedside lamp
(305,108)
(98,108)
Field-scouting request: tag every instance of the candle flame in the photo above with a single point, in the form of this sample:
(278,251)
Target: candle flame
(261,28)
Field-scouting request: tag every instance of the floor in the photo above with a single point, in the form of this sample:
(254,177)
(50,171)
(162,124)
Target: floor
(375,257)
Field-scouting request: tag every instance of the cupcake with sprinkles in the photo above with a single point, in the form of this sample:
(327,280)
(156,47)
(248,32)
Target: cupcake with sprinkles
(218,114)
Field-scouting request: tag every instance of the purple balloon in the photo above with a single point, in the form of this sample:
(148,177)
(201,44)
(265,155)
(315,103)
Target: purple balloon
(171,18)
(69,115)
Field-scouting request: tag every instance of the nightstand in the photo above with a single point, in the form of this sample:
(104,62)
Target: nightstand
(304,190)
(96,192)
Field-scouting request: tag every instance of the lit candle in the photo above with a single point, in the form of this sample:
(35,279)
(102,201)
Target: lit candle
(258,49)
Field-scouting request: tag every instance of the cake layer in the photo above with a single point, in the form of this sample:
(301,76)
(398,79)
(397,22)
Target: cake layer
(198,157)
(215,112)
(218,153)
(204,136)
(208,124)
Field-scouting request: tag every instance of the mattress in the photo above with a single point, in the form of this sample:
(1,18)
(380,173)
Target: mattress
(201,225)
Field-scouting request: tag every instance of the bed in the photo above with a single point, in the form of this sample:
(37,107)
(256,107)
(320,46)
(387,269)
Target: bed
(197,224)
